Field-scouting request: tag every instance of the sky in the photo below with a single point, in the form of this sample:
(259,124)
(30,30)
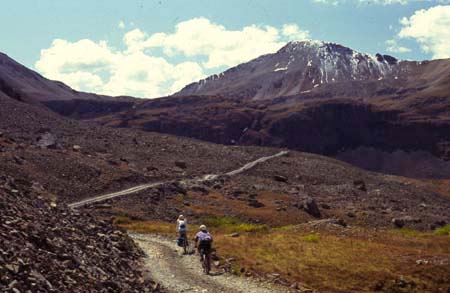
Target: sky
(152,48)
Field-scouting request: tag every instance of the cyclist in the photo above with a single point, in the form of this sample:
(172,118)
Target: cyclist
(203,243)
(182,228)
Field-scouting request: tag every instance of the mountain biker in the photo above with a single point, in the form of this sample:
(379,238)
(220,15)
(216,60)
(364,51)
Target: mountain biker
(203,241)
(182,228)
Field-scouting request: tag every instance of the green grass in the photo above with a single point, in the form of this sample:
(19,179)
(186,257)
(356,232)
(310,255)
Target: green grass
(443,231)
(220,222)
(313,238)
(233,225)
(410,232)
(247,227)
(120,220)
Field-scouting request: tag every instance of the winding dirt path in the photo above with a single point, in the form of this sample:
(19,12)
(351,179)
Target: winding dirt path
(204,178)
(183,273)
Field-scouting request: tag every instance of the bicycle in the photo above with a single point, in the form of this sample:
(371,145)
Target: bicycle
(206,261)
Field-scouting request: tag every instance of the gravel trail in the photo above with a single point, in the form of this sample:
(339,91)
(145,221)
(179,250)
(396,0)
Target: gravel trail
(183,273)
(208,177)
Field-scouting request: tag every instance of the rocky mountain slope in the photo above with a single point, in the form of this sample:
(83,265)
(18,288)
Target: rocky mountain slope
(315,97)
(330,126)
(304,66)
(45,247)
(24,84)
(38,145)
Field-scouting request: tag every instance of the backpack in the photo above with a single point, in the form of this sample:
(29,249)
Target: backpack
(205,241)
(182,226)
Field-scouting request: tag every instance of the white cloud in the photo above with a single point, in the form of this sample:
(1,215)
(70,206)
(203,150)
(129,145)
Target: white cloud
(78,64)
(394,47)
(82,65)
(121,24)
(431,29)
(95,66)
(134,39)
(293,32)
(200,36)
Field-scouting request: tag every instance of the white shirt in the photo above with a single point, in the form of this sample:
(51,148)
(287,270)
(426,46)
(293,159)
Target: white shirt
(182,225)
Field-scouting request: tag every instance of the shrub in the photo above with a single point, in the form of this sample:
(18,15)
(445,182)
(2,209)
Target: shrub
(220,222)
(313,238)
(122,220)
(410,232)
(443,231)
(247,227)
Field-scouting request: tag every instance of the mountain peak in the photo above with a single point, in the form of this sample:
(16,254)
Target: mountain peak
(298,67)
(302,45)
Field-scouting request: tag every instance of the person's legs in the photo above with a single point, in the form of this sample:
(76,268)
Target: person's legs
(183,235)
(182,238)
(200,252)
(208,260)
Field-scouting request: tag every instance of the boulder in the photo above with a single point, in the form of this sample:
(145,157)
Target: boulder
(200,189)
(325,206)
(18,160)
(173,188)
(280,178)
(351,214)
(181,164)
(47,140)
(403,221)
(255,203)
(310,206)
(360,184)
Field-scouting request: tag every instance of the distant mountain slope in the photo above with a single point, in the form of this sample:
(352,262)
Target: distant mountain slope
(17,81)
(23,84)
(310,66)
(317,97)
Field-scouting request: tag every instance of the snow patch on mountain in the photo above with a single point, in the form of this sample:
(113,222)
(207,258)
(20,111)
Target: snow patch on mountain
(305,64)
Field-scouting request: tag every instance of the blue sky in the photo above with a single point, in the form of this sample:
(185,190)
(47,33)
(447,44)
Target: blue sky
(152,64)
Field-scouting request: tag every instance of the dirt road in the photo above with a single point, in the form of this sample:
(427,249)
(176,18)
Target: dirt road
(208,177)
(183,273)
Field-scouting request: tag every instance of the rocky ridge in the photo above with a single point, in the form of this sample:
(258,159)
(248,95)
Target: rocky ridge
(46,247)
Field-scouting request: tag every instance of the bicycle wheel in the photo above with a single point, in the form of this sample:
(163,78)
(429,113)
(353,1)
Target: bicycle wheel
(205,263)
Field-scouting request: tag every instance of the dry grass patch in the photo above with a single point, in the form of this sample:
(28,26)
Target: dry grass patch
(356,260)
(231,225)
(330,262)
(149,227)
